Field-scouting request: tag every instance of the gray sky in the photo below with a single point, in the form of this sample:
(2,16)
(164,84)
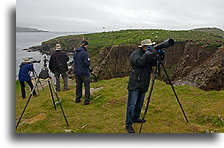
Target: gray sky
(93,15)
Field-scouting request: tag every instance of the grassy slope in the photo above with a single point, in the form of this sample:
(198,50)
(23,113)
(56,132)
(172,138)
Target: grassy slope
(100,40)
(215,31)
(107,112)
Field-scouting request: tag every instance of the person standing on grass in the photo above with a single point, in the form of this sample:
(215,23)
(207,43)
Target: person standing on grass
(142,60)
(58,66)
(24,76)
(82,72)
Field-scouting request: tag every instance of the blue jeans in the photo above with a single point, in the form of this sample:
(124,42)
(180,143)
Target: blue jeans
(134,106)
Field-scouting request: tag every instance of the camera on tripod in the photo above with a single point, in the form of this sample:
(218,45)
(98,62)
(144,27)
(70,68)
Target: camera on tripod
(165,44)
(45,60)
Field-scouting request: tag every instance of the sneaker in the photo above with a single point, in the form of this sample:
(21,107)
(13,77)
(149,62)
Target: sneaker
(130,129)
(139,121)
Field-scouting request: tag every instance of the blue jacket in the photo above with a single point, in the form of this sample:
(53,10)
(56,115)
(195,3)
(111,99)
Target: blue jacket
(24,70)
(81,62)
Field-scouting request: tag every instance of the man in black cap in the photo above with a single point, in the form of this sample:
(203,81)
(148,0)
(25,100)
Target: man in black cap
(82,72)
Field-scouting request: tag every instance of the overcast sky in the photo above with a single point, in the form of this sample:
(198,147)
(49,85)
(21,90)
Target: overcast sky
(94,15)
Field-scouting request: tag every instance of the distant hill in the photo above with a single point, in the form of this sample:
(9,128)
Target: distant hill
(216,31)
(26,29)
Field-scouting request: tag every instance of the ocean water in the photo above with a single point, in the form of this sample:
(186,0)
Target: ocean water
(28,39)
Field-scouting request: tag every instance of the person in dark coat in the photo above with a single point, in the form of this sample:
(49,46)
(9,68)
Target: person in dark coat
(82,72)
(24,76)
(142,60)
(58,66)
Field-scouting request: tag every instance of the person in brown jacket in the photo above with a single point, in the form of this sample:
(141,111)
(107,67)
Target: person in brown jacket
(58,66)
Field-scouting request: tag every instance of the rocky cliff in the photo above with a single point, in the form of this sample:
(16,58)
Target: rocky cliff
(197,58)
(187,64)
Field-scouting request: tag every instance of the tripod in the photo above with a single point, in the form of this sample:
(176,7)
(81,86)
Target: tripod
(44,75)
(37,80)
(157,71)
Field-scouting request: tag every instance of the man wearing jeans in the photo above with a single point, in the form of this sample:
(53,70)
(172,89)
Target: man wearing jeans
(82,72)
(142,60)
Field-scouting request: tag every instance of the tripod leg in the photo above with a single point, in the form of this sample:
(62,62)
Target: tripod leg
(38,79)
(41,85)
(49,83)
(174,92)
(26,104)
(56,94)
(148,98)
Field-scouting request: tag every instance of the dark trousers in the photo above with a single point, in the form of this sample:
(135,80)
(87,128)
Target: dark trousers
(134,106)
(79,81)
(22,83)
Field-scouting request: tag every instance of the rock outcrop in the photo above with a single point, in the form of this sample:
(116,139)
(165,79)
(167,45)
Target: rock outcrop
(187,64)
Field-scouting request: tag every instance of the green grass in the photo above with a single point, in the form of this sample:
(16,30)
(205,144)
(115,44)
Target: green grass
(107,111)
(98,41)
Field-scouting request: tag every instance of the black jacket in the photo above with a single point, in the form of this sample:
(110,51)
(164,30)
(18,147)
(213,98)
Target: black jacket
(81,62)
(141,68)
(58,61)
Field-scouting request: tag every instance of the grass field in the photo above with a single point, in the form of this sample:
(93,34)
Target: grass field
(98,41)
(107,111)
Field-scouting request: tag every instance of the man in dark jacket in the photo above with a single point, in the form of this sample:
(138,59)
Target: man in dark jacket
(142,61)
(24,76)
(58,66)
(82,72)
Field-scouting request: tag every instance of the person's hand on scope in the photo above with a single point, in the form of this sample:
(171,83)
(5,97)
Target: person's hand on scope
(151,51)
(161,54)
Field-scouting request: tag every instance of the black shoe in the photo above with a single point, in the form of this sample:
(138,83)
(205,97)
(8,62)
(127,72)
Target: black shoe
(130,129)
(139,121)
(86,102)
(65,89)
(77,100)
(35,95)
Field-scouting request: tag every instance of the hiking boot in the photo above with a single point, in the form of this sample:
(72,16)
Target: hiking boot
(77,100)
(139,121)
(57,90)
(130,129)
(86,102)
(35,96)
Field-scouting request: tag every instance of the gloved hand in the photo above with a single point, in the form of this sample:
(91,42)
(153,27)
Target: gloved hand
(151,52)
(161,54)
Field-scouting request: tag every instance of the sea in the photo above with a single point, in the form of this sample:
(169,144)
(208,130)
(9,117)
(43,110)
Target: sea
(25,40)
